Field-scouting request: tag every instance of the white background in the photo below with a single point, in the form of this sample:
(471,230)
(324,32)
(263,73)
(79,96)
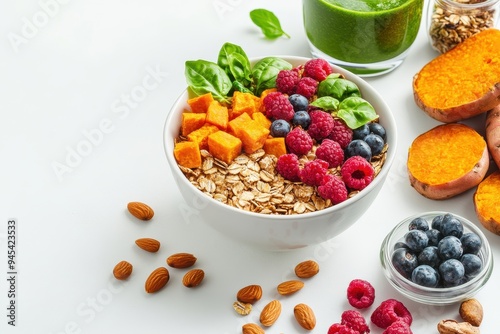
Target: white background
(68,79)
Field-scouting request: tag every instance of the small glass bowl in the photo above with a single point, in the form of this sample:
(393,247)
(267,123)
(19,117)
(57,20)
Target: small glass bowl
(434,296)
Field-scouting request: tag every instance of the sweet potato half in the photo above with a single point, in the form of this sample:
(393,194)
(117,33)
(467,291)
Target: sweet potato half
(486,202)
(447,160)
(463,82)
(493,134)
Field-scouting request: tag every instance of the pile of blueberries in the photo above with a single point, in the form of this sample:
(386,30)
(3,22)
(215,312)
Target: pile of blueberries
(439,255)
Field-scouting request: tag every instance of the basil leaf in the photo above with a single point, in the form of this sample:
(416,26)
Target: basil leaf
(326,103)
(265,71)
(234,61)
(207,77)
(338,88)
(268,23)
(356,112)
(238,86)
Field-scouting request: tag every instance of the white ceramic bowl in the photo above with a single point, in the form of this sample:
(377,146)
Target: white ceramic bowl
(282,232)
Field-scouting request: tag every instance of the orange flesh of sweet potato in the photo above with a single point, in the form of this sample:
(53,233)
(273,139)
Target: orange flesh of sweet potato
(200,136)
(200,103)
(187,154)
(262,119)
(493,133)
(224,146)
(191,121)
(275,146)
(243,103)
(217,115)
(486,202)
(462,82)
(253,135)
(447,160)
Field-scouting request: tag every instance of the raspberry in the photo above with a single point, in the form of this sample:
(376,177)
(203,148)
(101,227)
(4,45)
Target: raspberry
(355,320)
(398,327)
(288,167)
(286,81)
(389,311)
(313,172)
(341,329)
(277,106)
(321,124)
(360,294)
(357,172)
(318,69)
(333,188)
(341,133)
(298,141)
(307,86)
(331,152)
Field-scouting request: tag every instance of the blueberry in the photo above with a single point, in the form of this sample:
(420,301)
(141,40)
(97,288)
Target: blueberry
(404,261)
(361,132)
(437,222)
(434,236)
(301,118)
(299,102)
(358,147)
(375,142)
(452,271)
(400,244)
(451,226)
(429,256)
(377,129)
(472,264)
(416,240)
(471,243)
(450,247)
(280,128)
(419,223)
(426,276)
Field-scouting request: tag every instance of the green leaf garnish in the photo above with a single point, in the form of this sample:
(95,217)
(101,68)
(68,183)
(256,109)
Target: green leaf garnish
(356,112)
(268,23)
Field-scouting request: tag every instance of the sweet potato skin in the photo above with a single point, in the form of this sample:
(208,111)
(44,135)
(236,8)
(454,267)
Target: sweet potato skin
(493,133)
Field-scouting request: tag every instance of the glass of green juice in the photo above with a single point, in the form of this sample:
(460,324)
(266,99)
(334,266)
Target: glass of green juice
(366,37)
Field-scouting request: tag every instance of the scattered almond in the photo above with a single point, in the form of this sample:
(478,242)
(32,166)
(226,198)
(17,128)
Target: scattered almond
(181,260)
(157,280)
(304,316)
(289,287)
(249,294)
(193,278)
(122,270)
(148,244)
(140,210)
(270,313)
(306,269)
(252,329)
(471,311)
(242,308)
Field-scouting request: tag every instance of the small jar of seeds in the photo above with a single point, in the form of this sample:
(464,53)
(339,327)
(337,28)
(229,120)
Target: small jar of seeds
(450,22)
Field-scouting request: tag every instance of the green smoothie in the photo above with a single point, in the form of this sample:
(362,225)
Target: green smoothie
(362,31)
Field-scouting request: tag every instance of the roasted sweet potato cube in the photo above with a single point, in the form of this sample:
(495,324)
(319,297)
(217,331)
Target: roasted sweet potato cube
(218,115)
(275,146)
(224,146)
(191,121)
(243,103)
(200,136)
(234,126)
(200,103)
(187,154)
(253,136)
(262,119)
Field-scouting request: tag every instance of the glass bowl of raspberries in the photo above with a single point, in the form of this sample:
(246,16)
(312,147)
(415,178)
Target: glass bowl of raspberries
(436,258)
(264,161)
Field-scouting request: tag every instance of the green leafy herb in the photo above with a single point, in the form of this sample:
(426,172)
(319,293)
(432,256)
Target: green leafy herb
(234,61)
(338,88)
(356,112)
(265,71)
(326,103)
(268,23)
(207,77)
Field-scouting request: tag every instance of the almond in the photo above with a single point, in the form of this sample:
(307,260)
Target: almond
(140,210)
(249,294)
(252,329)
(181,260)
(270,313)
(122,270)
(304,316)
(193,278)
(471,311)
(288,287)
(157,280)
(148,244)
(306,269)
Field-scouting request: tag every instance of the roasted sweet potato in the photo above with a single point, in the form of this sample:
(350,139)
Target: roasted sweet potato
(486,202)
(463,82)
(447,160)
(493,134)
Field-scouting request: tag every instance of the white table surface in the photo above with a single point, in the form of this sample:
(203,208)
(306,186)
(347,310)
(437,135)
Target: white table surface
(118,66)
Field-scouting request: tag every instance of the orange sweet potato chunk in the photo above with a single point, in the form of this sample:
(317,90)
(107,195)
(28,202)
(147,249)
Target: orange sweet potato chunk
(236,125)
(200,103)
(253,136)
(262,119)
(191,121)
(218,115)
(200,136)
(243,103)
(224,146)
(275,146)
(187,154)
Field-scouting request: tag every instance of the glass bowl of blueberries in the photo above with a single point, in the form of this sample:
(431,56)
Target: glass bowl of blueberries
(436,258)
